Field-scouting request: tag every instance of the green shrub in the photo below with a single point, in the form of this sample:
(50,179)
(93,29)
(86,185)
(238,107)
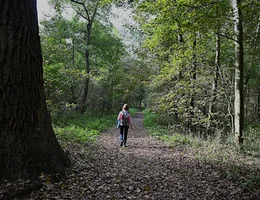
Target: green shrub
(251,139)
(149,119)
(77,127)
(177,139)
(151,122)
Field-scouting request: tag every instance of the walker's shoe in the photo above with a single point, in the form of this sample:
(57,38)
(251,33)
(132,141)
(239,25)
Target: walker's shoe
(121,144)
(125,146)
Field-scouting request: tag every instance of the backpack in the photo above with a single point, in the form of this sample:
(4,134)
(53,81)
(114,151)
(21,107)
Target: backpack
(125,119)
(117,123)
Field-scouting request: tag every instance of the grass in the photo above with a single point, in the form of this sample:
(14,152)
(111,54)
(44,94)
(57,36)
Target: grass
(238,164)
(82,128)
(151,122)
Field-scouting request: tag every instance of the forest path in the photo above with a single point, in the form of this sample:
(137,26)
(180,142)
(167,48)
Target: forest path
(146,169)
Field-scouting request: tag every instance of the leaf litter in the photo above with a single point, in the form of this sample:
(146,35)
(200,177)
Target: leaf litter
(146,169)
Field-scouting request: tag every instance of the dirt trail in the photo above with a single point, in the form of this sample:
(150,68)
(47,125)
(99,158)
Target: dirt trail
(146,169)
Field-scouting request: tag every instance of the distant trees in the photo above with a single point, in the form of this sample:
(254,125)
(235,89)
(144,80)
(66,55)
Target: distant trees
(28,145)
(200,78)
(64,49)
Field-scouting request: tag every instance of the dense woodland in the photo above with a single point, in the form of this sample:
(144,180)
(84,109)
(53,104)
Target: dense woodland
(194,64)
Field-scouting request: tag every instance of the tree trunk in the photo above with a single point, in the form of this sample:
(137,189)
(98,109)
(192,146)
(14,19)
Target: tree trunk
(28,145)
(239,72)
(82,99)
(215,81)
(193,79)
(258,103)
(258,89)
(257,34)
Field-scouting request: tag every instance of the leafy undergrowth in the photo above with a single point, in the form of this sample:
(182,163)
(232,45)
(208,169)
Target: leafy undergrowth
(81,128)
(149,169)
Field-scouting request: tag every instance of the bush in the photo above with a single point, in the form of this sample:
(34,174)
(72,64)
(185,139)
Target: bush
(81,127)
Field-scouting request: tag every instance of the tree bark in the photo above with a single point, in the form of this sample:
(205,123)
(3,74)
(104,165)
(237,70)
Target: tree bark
(257,34)
(28,145)
(256,42)
(258,104)
(193,80)
(215,81)
(239,73)
(82,99)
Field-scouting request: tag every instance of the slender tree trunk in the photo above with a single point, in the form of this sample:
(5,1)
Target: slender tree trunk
(258,104)
(256,42)
(193,79)
(215,81)
(82,99)
(257,34)
(239,72)
(28,145)
(180,42)
(179,72)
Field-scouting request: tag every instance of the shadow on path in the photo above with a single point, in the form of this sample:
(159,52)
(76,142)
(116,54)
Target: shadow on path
(146,169)
(149,169)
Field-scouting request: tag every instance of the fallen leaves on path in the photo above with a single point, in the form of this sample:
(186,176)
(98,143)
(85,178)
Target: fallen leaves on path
(146,169)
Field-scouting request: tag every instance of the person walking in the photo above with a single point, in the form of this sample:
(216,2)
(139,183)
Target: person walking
(125,120)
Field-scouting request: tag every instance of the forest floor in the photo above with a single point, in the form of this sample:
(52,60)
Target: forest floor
(146,169)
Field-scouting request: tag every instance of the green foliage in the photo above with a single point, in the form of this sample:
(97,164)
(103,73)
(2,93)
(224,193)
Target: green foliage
(152,120)
(176,139)
(133,111)
(180,37)
(75,127)
(63,60)
(252,181)
(251,144)
(76,134)
(175,69)
(213,144)
(63,46)
(239,164)
(149,119)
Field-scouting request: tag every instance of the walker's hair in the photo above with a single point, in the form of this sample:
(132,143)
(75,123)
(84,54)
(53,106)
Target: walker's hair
(125,107)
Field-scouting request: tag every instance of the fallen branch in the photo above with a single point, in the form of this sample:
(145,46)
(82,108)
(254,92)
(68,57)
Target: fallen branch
(23,192)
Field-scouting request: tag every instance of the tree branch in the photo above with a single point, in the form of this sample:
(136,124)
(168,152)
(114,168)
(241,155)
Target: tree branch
(86,18)
(225,36)
(57,90)
(94,13)
(85,8)
(23,192)
(203,5)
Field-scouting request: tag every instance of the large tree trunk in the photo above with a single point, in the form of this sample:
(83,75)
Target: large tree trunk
(239,72)
(28,145)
